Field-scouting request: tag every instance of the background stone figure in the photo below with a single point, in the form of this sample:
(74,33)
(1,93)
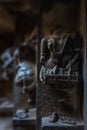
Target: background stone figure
(6,75)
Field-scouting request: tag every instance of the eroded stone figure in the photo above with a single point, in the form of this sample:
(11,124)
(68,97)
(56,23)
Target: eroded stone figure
(61,55)
(61,64)
(25,77)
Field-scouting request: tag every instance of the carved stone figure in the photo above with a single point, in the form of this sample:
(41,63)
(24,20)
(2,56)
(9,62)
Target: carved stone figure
(25,77)
(61,55)
(61,67)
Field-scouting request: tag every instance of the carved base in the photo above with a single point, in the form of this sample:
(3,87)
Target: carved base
(63,128)
(29,121)
(24,122)
(62,124)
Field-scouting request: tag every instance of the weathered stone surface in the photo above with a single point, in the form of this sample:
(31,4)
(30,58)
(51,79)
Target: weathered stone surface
(63,123)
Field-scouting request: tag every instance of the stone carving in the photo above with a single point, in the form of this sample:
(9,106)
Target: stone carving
(61,57)
(25,77)
(61,66)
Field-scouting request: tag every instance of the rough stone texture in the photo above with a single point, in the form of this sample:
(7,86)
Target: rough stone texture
(60,101)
